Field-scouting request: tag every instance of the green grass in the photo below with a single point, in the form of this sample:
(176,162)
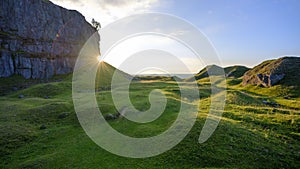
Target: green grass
(235,71)
(250,134)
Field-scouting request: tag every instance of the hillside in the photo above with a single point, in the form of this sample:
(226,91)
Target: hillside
(105,74)
(44,132)
(41,128)
(204,72)
(232,71)
(284,71)
(235,71)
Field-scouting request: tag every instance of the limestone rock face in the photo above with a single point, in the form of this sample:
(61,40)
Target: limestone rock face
(284,70)
(39,39)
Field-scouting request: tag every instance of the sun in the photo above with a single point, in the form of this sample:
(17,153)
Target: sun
(99,58)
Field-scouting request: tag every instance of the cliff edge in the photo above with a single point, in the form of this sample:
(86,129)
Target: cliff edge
(39,39)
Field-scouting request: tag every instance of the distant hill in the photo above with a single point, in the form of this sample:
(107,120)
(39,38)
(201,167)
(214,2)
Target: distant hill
(232,71)
(157,77)
(105,74)
(235,71)
(204,72)
(285,71)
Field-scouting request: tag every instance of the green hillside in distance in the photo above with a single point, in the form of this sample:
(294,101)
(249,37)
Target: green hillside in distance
(105,74)
(231,71)
(235,71)
(203,73)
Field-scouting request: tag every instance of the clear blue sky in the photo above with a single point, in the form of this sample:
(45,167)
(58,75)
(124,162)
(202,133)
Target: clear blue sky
(244,32)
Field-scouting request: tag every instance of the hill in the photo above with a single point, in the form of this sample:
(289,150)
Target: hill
(157,77)
(232,71)
(284,71)
(204,72)
(105,74)
(235,71)
(44,132)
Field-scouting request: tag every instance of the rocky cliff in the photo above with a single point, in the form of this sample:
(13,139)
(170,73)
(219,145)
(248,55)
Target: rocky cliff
(284,71)
(39,39)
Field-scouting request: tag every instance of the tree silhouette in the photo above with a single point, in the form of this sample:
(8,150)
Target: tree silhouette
(96,24)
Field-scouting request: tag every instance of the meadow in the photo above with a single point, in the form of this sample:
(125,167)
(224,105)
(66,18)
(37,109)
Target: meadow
(41,130)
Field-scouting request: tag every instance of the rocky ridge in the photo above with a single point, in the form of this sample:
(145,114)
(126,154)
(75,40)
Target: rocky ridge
(284,71)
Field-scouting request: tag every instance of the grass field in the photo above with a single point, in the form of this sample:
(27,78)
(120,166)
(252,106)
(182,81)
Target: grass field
(41,130)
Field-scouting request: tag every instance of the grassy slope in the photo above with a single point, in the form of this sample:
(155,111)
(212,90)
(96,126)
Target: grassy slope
(250,135)
(235,71)
(105,74)
(231,71)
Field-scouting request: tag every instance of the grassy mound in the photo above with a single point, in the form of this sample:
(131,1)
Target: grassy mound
(232,71)
(204,73)
(235,71)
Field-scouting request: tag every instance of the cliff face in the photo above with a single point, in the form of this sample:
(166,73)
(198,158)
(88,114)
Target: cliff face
(269,73)
(39,39)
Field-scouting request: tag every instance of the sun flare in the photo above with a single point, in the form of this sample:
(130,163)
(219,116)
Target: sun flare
(99,58)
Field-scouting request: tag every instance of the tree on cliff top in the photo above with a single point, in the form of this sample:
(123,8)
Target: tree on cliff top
(96,24)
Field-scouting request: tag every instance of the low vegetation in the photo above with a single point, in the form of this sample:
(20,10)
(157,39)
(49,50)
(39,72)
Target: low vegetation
(43,132)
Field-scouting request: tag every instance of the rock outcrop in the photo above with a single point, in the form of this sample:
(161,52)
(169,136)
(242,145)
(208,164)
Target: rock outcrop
(285,71)
(39,39)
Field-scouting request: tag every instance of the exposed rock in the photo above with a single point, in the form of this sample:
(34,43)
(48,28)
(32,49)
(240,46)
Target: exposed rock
(39,39)
(116,115)
(43,127)
(273,104)
(21,96)
(269,73)
(269,80)
(6,64)
(63,115)
(109,117)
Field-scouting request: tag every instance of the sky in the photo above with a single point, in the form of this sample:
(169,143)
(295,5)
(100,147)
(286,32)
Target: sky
(243,32)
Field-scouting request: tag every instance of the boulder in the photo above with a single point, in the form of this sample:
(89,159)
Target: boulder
(21,96)
(63,115)
(43,127)
(109,117)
